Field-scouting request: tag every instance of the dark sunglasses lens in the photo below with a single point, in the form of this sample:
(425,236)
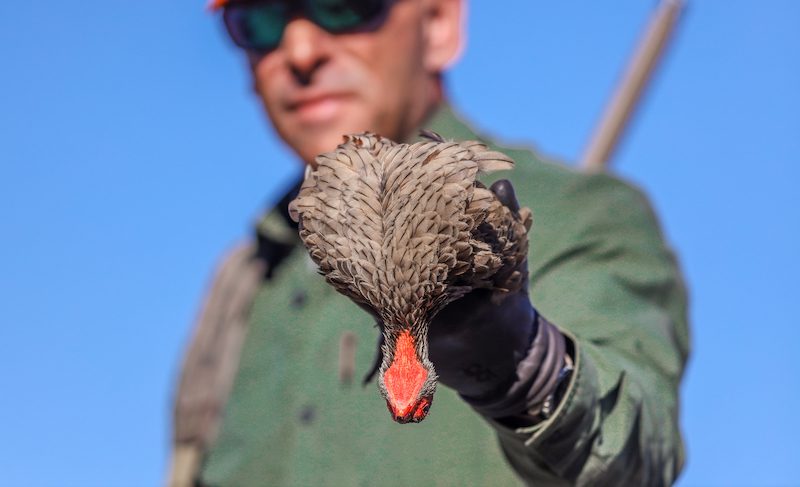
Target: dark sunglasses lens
(256,25)
(344,15)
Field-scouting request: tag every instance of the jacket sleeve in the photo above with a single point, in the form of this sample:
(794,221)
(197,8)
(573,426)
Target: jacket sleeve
(611,285)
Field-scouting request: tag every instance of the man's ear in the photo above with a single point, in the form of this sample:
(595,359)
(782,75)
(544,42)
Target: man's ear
(444,33)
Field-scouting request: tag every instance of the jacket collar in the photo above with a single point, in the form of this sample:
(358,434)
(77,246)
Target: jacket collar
(446,123)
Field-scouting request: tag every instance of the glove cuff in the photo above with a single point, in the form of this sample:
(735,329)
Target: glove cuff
(538,376)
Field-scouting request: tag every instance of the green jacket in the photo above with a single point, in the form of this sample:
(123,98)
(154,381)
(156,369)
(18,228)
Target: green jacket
(599,270)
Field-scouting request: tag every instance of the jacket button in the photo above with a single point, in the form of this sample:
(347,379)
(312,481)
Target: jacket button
(298,299)
(307,414)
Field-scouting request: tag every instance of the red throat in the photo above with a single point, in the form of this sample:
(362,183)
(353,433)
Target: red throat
(404,380)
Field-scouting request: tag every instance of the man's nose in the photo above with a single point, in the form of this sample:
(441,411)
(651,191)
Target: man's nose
(306,47)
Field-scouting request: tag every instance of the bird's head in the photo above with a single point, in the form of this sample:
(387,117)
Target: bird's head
(406,381)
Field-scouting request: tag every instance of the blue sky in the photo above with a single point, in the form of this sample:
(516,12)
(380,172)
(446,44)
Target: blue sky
(133,153)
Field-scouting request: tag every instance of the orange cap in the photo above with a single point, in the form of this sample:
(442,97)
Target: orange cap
(217,4)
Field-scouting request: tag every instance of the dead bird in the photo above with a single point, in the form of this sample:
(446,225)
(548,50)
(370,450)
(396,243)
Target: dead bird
(403,230)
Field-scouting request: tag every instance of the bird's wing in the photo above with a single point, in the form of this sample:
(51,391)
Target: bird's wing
(339,212)
(434,206)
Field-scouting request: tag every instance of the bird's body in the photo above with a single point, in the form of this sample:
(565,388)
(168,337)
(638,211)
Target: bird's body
(404,230)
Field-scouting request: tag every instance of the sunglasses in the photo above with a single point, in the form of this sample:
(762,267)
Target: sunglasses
(258,25)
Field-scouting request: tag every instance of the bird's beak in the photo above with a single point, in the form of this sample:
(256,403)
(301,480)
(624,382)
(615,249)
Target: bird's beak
(413,413)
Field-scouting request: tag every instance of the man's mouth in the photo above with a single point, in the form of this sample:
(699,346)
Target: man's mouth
(318,109)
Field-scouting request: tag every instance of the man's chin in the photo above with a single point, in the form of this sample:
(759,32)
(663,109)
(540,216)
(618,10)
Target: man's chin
(310,140)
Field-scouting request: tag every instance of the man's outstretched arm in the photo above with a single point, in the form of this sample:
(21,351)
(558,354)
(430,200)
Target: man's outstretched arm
(614,292)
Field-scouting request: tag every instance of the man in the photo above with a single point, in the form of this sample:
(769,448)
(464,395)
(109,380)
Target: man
(573,382)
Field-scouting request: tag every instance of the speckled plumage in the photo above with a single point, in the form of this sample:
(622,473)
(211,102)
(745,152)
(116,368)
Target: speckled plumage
(405,229)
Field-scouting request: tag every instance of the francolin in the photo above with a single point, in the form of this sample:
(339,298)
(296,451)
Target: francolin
(403,230)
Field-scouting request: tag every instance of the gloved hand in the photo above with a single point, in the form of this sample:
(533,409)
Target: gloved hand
(476,345)
(503,359)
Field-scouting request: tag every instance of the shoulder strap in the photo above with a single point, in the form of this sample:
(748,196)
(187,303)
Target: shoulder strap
(212,359)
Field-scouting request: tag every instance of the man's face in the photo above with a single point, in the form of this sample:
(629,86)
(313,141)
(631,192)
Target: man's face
(318,86)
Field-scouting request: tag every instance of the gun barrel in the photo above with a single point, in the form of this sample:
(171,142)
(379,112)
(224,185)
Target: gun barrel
(628,93)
